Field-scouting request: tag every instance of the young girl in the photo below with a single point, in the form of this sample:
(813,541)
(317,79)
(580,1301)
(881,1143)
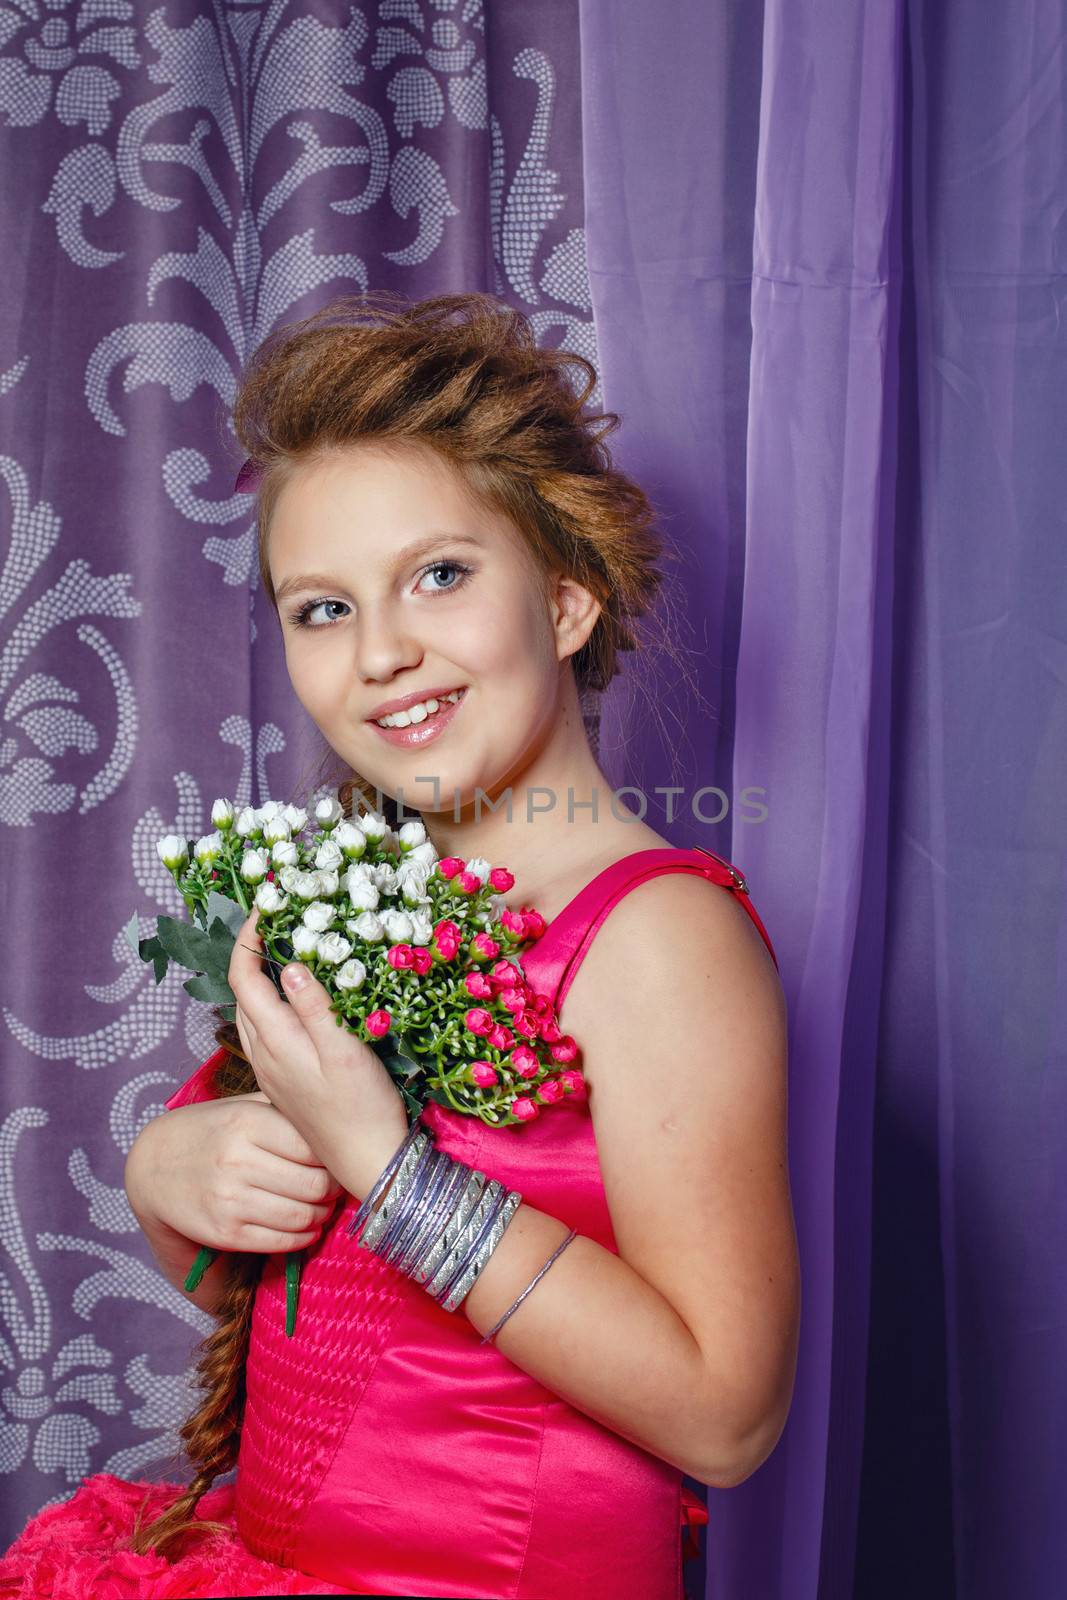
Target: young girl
(440,525)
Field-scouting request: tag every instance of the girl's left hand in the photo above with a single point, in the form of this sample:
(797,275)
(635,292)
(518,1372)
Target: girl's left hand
(324,1078)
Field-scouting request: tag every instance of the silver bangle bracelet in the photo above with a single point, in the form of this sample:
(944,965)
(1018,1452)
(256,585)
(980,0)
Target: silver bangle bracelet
(440,1221)
(493,1331)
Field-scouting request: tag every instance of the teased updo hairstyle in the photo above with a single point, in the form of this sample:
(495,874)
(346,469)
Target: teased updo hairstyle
(464,375)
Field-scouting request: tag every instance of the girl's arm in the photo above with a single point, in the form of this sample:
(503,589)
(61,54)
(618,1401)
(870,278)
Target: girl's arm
(685,1343)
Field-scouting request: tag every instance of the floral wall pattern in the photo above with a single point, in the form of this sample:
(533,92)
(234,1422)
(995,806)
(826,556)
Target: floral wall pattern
(177,181)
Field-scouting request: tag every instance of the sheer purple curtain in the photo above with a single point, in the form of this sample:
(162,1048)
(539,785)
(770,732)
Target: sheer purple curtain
(817,251)
(827,248)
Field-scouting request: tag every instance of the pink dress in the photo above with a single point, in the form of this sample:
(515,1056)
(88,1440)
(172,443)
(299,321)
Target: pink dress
(385,1450)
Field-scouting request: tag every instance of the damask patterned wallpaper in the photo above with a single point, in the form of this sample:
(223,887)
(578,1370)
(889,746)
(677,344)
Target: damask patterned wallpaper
(177,180)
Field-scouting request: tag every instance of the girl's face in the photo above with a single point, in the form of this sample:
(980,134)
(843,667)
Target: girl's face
(391,580)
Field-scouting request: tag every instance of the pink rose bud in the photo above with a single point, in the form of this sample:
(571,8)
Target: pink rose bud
(501,880)
(469,882)
(485,947)
(507,974)
(524,1108)
(550,1091)
(525,1061)
(483,1074)
(573,1082)
(526,1024)
(549,1030)
(512,999)
(514,922)
(478,1020)
(500,1037)
(535,924)
(422,959)
(378,1024)
(565,1050)
(400,957)
(448,866)
(478,986)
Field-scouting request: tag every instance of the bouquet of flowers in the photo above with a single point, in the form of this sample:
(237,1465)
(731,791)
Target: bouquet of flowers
(419,954)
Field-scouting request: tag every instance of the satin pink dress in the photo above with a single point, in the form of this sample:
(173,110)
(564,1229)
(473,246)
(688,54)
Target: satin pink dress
(386,1450)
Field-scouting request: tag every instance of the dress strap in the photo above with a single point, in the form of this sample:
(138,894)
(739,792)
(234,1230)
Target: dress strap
(576,926)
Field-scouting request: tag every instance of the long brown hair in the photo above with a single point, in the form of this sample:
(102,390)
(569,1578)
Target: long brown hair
(463,375)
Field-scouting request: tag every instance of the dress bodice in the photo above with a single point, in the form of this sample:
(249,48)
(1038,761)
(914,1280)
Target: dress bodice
(384,1446)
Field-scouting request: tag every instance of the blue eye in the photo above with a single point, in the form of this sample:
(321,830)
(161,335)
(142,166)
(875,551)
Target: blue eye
(300,618)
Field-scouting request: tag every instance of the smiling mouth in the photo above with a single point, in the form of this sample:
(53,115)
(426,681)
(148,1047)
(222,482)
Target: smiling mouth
(428,728)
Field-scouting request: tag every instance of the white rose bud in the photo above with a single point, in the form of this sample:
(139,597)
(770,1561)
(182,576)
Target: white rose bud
(410,835)
(397,925)
(351,976)
(305,885)
(364,896)
(296,817)
(374,825)
(412,887)
(305,942)
(209,847)
(424,854)
(366,926)
(255,864)
(268,897)
(383,876)
(421,928)
(222,815)
(246,823)
(275,830)
(352,840)
(328,856)
(269,809)
(480,867)
(173,851)
(328,881)
(358,872)
(328,812)
(289,878)
(285,853)
(318,915)
(334,948)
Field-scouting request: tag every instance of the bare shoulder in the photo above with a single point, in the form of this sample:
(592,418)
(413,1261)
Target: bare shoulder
(676,941)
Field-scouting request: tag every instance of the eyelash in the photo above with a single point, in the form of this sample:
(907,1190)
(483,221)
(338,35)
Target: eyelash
(299,617)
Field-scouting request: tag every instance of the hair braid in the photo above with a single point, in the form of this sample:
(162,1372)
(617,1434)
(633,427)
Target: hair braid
(211,1434)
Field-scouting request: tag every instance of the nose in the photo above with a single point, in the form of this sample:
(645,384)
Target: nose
(384,645)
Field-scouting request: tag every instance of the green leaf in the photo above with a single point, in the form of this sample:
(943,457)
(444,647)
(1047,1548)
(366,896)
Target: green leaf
(151,950)
(191,947)
(213,990)
(227,910)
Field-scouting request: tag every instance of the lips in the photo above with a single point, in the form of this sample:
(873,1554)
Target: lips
(417,734)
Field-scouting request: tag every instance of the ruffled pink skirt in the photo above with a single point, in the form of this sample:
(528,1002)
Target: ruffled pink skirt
(78,1550)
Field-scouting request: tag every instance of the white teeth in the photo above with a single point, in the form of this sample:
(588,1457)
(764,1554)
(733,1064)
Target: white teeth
(417,713)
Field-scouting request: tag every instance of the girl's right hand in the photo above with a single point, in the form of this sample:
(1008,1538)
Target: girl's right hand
(232,1173)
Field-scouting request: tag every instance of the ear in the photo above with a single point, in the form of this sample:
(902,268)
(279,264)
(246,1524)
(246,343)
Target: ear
(574,611)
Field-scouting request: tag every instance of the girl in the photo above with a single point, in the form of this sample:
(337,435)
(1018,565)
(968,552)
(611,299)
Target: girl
(440,525)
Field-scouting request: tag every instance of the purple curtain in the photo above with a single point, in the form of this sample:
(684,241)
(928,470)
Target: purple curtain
(817,251)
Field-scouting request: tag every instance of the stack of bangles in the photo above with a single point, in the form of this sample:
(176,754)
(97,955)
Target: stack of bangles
(440,1221)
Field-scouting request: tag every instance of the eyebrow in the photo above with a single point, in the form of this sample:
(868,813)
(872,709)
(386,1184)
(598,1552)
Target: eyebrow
(324,580)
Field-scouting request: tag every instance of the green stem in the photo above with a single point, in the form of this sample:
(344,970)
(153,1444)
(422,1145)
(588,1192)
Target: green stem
(292,1290)
(199,1267)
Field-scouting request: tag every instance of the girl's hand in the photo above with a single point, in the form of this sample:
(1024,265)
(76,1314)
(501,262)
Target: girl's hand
(233,1174)
(321,1076)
